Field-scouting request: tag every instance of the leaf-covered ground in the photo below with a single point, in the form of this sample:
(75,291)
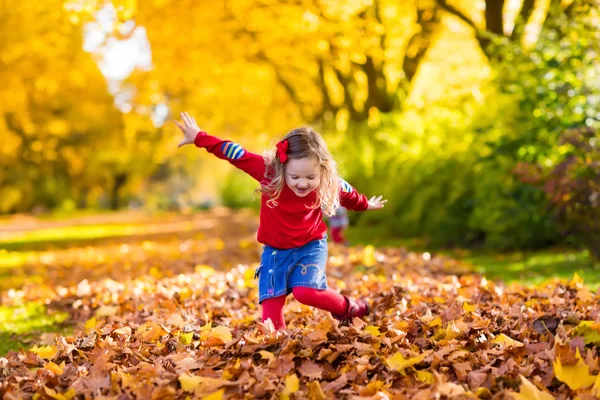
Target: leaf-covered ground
(175,315)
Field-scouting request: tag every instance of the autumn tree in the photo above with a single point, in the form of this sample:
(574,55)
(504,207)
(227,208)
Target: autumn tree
(56,111)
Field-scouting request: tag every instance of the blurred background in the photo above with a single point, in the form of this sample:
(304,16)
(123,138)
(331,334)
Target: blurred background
(478,120)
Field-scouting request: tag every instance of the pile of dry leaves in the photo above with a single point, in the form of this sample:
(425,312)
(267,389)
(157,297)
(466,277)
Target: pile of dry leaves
(179,319)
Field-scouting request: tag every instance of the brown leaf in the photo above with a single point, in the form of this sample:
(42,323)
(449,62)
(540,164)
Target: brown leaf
(461,370)
(311,370)
(337,384)
(545,325)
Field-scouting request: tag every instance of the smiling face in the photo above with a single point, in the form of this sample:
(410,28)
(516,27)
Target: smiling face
(303,175)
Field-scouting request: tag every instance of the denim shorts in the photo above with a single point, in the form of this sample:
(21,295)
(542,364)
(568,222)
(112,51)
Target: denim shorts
(281,270)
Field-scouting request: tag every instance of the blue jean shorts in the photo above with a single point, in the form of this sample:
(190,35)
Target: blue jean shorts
(281,270)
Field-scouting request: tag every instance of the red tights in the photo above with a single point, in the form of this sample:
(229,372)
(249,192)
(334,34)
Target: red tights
(328,300)
(337,234)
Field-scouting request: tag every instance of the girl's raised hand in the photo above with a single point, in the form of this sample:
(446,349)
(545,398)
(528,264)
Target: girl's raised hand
(189,128)
(375,203)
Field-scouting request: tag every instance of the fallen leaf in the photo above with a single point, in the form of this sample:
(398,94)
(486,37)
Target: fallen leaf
(398,363)
(589,330)
(47,352)
(504,340)
(311,370)
(528,391)
(575,376)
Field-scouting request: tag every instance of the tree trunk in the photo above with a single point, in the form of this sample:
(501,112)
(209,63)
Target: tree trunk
(120,180)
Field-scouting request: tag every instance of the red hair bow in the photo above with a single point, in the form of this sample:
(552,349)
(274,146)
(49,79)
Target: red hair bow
(282,148)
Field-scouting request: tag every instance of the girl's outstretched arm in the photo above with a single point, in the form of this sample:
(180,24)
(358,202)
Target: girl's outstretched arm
(252,164)
(352,200)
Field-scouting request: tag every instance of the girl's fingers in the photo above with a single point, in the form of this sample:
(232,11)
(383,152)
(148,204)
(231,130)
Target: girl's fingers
(185,118)
(194,121)
(178,125)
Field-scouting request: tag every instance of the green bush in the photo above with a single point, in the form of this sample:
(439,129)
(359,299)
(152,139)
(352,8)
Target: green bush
(238,191)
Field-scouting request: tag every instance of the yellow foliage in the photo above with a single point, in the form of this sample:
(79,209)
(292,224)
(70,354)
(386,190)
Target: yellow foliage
(57,369)
(68,395)
(399,363)
(504,340)
(528,391)
(221,332)
(575,376)
(369,256)
(469,308)
(267,355)
(292,384)
(47,352)
(186,338)
(424,376)
(90,323)
(218,395)
(373,331)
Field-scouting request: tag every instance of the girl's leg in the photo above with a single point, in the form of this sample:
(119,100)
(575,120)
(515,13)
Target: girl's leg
(341,307)
(273,308)
(336,235)
(342,237)
(328,300)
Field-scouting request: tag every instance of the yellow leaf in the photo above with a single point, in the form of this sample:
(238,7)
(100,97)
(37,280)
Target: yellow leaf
(589,330)
(315,392)
(186,338)
(469,308)
(437,321)
(267,355)
(47,352)
(90,324)
(504,340)
(576,281)
(218,395)
(221,332)
(193,383)
(68,395)
(452,331)
(249,281)
(596,388)
(292,384)
(373,331)
(369,256)
(219,244)
(50,366)
(399,363)
(189,383)
(155,273)
(425,376)
(528,391)
(575,376)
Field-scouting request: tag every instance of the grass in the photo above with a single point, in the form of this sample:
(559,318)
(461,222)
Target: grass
(69,236)
(526,267)
(58,237)
(21,324)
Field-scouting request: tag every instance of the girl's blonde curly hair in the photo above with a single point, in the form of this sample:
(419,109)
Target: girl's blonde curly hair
(304,142)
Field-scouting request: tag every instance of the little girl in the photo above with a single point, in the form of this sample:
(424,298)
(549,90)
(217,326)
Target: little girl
(298,183)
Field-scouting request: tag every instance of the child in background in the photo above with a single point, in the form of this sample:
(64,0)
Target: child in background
(338,224)
(298,183)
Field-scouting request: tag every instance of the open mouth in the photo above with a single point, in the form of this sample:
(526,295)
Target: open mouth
(302,190)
